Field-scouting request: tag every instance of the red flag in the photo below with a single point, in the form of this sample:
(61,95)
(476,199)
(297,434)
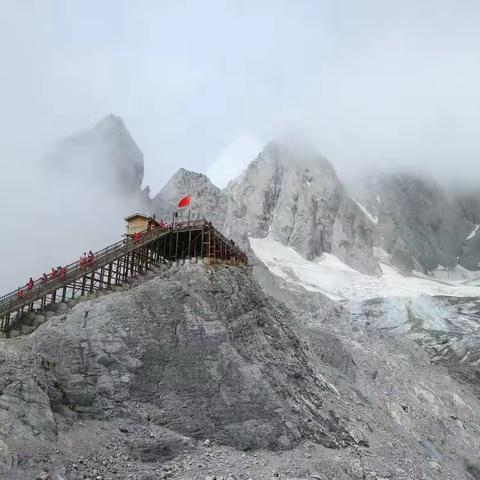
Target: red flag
(184,202)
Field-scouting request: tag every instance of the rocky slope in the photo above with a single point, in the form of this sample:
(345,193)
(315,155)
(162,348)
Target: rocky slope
(447,327)
(178,375)
(200,353)
(421,224)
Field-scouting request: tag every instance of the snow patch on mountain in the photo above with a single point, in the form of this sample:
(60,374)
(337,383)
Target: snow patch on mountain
(473,233)
(364,209)
(330,276)
(457,273)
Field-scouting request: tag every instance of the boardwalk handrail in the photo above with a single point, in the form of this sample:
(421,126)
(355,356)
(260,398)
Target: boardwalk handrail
(10,301)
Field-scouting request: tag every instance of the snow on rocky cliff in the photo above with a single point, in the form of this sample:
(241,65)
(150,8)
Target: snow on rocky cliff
(327,274)
(294,195)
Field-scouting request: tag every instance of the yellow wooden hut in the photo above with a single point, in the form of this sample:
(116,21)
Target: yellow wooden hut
(138,222)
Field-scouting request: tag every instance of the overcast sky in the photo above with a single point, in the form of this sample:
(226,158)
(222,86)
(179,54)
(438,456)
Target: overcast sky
(204,84)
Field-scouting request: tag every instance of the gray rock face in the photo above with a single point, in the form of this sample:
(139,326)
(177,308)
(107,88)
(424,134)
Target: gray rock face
(446,327)
(353,237)
(294,195)
(206,343)
(375,352)
(208,201)
(107,153)
(422,225)
(125,382)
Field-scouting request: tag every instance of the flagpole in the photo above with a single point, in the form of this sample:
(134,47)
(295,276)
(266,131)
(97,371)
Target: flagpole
(189,235)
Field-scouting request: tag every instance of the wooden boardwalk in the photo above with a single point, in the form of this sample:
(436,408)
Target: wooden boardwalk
(116,263)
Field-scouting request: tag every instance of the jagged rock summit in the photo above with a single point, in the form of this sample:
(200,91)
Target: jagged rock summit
(422,224)
(208,201)
(106,153)
(289,192)
(293,194)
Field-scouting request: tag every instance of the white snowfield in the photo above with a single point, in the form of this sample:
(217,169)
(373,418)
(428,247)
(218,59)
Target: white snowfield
(330,276)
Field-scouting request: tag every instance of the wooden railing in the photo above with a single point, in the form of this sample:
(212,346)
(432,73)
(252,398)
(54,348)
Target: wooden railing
(75,270)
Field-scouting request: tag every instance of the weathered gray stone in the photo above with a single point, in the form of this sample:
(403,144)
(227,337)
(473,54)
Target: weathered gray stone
(422,224)
(289,192)
(62,307)
(294,195)
(234,402)
(27,329)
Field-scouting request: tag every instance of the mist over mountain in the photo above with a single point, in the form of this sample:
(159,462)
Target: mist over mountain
(289,192)
(71,201)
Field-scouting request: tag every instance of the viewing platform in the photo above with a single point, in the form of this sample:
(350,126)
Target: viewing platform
(115,264)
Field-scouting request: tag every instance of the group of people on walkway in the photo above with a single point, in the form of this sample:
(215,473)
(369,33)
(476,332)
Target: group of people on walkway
(87,260)
(162,225)
(56,273)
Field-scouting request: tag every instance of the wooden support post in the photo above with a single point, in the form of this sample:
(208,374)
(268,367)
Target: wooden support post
(132,262)
(64,293)
(117,271)
(189,240)
(125,267)
(176,247)
(189,235)
(109,277)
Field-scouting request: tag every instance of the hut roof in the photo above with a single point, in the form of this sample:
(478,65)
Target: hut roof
(141,215)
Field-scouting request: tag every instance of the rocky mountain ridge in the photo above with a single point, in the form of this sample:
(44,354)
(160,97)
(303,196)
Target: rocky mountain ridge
(422,224)
(293,194)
